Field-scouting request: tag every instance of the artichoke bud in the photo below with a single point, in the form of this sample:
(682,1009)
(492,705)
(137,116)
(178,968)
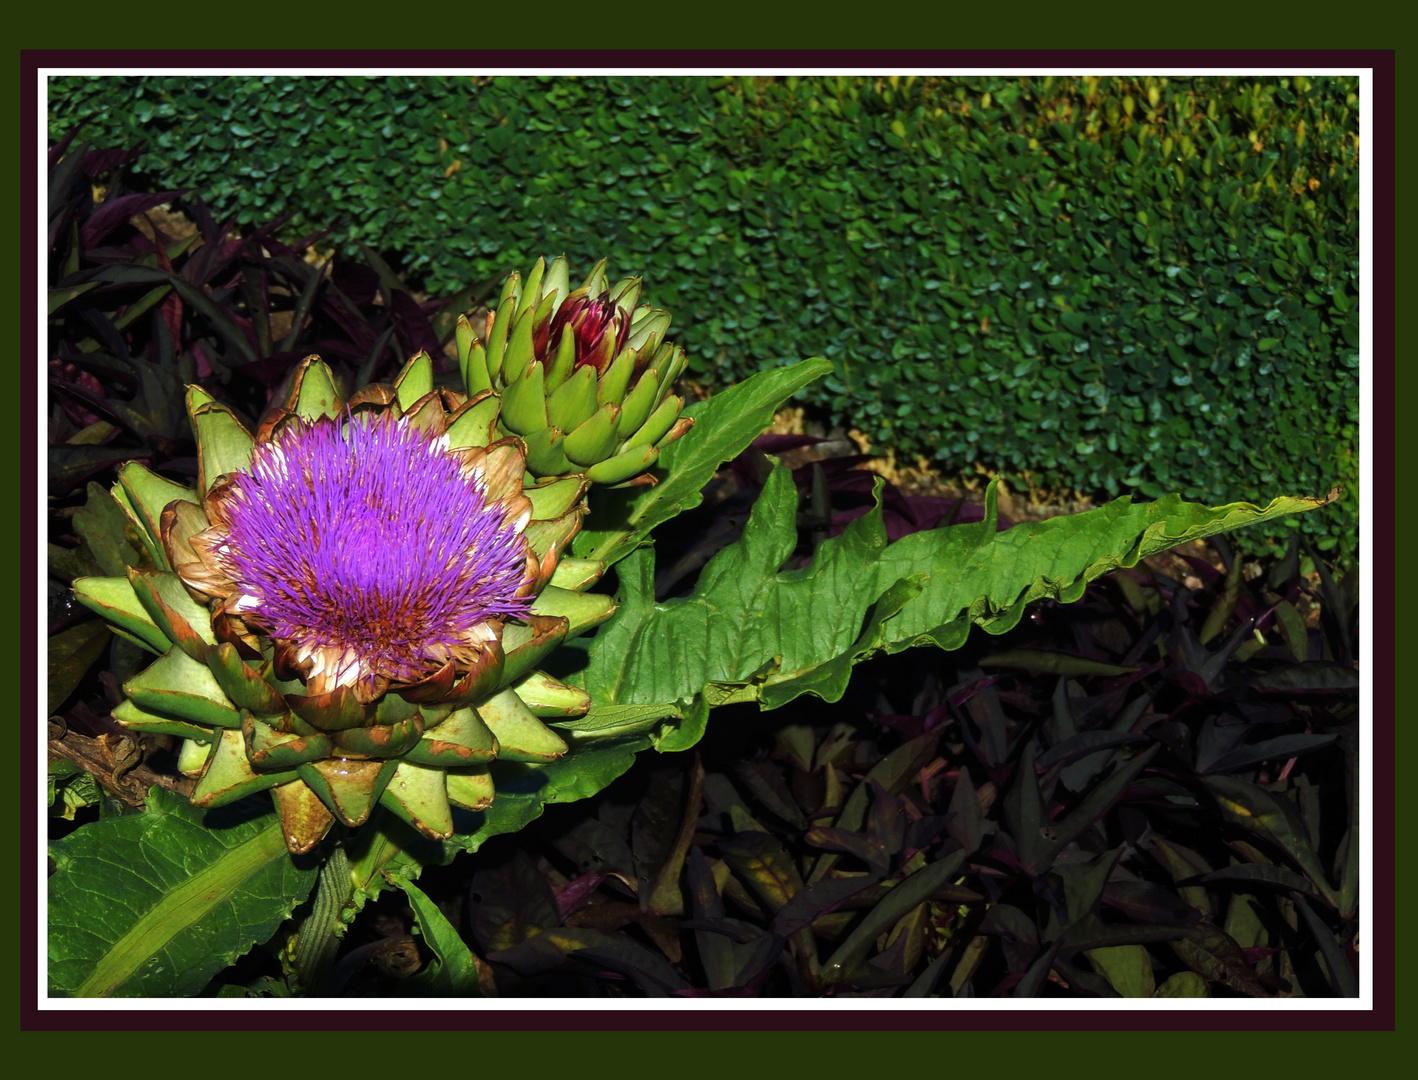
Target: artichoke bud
(343,611)
(580,374)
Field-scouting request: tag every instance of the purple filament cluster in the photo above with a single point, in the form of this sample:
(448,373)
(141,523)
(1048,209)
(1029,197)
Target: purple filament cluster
(366,535)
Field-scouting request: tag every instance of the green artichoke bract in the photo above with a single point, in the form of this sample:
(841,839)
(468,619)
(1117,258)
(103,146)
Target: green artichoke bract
(350,609)
(584,376)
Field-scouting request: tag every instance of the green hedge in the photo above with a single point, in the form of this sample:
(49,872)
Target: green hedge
(1114,283)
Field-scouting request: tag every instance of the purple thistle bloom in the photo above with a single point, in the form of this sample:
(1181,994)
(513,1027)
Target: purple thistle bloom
(367,541)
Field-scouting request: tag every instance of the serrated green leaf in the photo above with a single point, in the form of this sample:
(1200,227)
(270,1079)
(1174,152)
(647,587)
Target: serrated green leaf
(746,611)
(828,680)
(155,904)
(685,730)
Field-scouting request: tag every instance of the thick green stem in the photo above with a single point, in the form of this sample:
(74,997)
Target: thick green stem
(312,951)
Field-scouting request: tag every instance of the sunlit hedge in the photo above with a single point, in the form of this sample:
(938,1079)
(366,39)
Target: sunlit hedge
(1115,284)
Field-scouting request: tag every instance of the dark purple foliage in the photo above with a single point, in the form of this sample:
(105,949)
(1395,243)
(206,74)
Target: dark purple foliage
(141,314)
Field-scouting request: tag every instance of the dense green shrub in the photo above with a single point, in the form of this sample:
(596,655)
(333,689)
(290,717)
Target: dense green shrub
(1116,284)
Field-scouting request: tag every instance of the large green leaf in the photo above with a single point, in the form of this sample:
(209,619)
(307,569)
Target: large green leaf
(620,521)
(155,904)
(751,630)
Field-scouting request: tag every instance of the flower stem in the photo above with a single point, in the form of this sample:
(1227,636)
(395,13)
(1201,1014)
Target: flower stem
(312,951)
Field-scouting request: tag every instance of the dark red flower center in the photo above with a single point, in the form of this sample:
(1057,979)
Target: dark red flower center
(591,320)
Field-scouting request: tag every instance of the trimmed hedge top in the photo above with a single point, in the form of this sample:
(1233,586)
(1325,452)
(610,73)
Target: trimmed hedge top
(1115,284)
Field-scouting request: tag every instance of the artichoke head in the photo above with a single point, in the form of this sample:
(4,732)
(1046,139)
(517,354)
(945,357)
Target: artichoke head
(350,609)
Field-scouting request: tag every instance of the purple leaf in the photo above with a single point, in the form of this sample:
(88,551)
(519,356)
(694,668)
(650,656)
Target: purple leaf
(98,162)
(574,892)
(1204,570)
(414,330)
(821,898)
(1312,677)
(355,280)
(117,211)
(57,150)
(206,225)
(965,693)
(779,444)
(347,318)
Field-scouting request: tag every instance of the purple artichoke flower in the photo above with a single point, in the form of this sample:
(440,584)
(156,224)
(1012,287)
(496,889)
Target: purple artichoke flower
(372,549)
